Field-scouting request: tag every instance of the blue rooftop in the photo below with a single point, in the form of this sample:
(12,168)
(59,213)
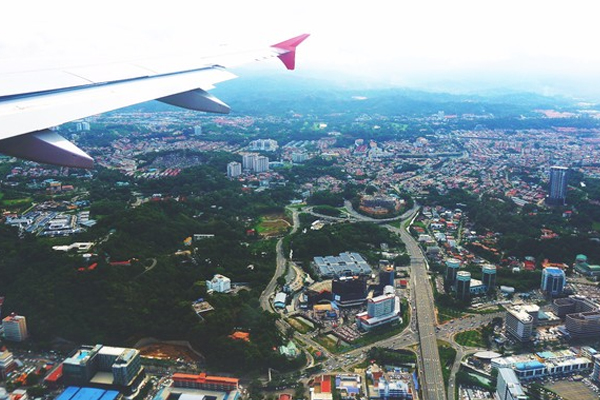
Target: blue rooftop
(68,393)
(77,393)
(88,394)
(529,365)
(110,395)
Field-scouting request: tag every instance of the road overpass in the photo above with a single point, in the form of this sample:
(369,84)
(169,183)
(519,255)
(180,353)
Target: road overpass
(430,371)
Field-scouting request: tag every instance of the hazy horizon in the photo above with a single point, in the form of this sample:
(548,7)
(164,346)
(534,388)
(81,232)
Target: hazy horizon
(464,46)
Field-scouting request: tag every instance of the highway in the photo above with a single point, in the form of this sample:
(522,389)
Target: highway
(430,371)
(422,302)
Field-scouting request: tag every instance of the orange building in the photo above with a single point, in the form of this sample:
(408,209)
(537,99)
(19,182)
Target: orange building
(206,382)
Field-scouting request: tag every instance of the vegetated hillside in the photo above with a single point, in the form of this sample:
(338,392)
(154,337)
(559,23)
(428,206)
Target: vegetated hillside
(118,304)
(280,94)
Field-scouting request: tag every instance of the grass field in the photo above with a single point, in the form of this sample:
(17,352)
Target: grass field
(16,202)
(299,325)
(272,225)
(447,314)
(472,338)
(447,356)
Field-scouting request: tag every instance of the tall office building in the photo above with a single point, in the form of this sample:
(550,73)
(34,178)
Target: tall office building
(557,188)
(15,327)
(488,273)
(234,169)
(387,276)
(261,164)
(198,130)
(553,281)
(349,291)
(452,266)
(521,321)
(509,387)
(463,285)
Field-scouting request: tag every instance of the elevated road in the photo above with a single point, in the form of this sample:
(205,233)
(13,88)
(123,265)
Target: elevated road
(430,369)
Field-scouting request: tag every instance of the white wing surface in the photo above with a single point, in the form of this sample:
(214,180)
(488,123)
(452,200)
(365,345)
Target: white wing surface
(32,101)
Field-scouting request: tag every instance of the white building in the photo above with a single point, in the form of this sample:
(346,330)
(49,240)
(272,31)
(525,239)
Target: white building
(280,300)
(198,130)
(234,169)
(299,157)
(219,283)
(521,321)
(261,164)
(248,161)
(509,387)
(381,310)
(7,362)
(263,145)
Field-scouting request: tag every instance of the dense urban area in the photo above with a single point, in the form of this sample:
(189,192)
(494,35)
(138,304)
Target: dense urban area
(345,245)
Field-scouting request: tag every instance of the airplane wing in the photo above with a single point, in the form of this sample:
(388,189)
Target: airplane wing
(33,101)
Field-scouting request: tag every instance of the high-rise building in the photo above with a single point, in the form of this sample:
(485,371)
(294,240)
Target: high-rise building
(299,157)
(557,188)
(463,285)
(198,130)
(248,161)
(15,328)
(452,266)
(521,321)
(488,273)
(264,145)
(7,362)
(234,169)
(387,276)
(349,291)
(509,387)
(553,281)
(261,164)
(381,310)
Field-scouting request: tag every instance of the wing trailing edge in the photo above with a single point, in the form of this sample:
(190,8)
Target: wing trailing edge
(46,147)
(33,101)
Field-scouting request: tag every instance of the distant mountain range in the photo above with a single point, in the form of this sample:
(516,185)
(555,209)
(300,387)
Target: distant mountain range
(278,94)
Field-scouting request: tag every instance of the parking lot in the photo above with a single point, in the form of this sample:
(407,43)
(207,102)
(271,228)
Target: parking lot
(571,390)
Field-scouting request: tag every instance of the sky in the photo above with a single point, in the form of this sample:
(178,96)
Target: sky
(460,45)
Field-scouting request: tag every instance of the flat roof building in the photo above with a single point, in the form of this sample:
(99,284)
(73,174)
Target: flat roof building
(509,387)
(584,324)
(346,264)
(521,321)
(104,367)
(206,382)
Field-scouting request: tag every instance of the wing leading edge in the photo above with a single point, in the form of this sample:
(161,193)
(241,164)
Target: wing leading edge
(27,110)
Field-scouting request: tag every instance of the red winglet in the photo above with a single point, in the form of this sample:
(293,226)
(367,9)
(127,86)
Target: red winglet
(289,46)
